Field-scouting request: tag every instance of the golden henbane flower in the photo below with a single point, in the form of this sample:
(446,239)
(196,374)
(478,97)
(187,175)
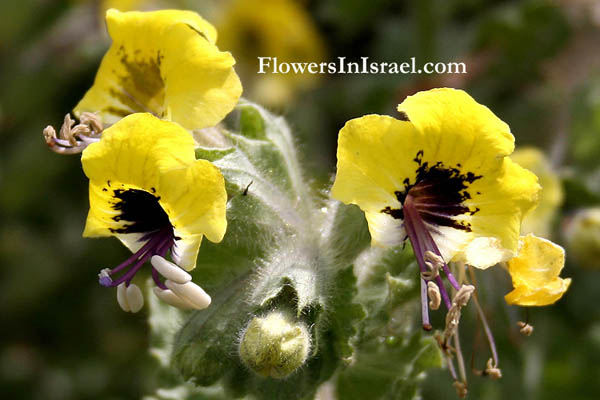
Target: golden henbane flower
(440,176)
(165,63)
(148,190)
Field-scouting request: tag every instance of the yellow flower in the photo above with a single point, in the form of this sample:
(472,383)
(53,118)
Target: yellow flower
(279,29)
(539,221)
(535,273)
(446,155)
(440,176)
(165,63)
(147,189)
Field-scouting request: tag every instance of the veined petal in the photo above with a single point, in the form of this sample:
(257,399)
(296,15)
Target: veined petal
(195,200)
(458,129)
(501,198)
(373,161)
(535,273)
(166,63)
(144,175)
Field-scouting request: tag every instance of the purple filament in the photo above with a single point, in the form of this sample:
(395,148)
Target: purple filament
(157,243)
(422,242)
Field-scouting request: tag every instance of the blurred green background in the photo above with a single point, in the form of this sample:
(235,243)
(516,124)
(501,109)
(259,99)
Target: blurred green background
(536,64)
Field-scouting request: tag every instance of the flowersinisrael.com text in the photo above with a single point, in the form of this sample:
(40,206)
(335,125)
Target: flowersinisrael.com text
(364,66)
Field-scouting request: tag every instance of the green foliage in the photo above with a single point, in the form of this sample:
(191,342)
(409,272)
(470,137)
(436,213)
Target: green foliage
(289,251)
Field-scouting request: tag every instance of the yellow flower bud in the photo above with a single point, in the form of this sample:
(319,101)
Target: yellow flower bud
(275,345)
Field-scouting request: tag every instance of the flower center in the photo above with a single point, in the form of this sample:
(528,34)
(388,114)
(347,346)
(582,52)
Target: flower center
(435,198)
(143,214)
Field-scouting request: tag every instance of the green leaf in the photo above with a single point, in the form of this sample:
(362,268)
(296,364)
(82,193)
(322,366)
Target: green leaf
(252,124)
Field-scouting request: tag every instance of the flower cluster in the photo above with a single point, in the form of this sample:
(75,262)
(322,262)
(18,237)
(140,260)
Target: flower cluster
(162,76)
(440,176)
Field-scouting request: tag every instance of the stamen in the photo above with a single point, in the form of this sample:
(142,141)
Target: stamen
(104,277)
(190,292)
(525,328)
(158,243)
(130,298)
(156,279)
(453,317)
(443,292)
(492,370)
(172,299)
(74,139)
(434,263)
(435,299)
(421,239)
(486,327)
(461,389)
(424,309)
(135,298)
(169,270)
(122,297)
(459,357)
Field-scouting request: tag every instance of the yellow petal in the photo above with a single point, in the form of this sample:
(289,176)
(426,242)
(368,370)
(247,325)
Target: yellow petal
(458,129)
(155,160)
(166,63)
(374,157)
(502,198)
(535,273)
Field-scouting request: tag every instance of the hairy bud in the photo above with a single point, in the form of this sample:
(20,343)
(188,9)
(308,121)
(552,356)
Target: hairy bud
(275,345)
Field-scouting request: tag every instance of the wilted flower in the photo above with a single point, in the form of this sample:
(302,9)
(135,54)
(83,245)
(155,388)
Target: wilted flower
(148,190)
(535,273)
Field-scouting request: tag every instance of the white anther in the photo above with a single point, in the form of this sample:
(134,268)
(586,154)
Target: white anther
(191,292)
(435,299)
(169,270)
(172,299)
(122,297)
(130,298)
(135,298)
